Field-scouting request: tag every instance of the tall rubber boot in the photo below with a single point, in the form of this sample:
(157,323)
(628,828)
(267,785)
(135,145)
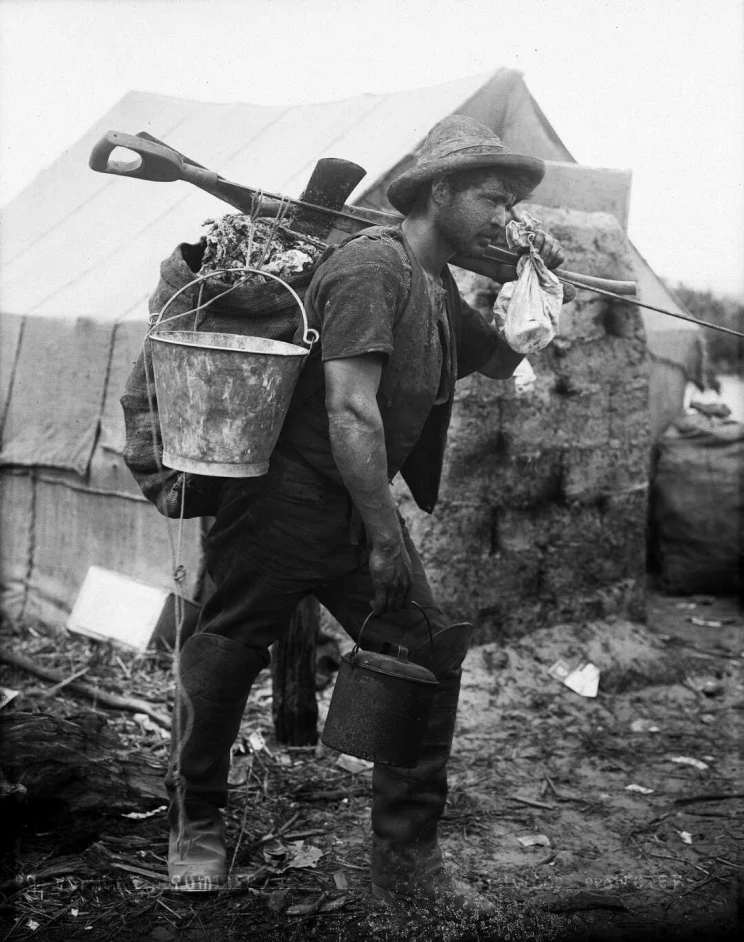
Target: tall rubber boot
(216,678)
(407,804)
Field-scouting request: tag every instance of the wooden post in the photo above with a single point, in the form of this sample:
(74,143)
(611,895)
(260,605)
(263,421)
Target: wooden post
(294,704)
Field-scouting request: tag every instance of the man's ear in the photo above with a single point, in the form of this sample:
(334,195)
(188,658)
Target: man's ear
(441,191)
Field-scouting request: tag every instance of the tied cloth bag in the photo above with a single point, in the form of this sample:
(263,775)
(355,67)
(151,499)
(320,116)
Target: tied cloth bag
(254,310)
(526,310)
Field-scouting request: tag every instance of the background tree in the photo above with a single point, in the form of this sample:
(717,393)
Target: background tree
(726,352)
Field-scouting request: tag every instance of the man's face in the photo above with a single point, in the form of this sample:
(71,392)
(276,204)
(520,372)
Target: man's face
(472,217)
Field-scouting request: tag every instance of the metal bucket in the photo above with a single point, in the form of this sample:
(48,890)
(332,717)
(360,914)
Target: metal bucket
(380,706)
(222,398)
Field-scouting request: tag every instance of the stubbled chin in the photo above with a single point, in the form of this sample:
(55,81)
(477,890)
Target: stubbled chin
(477,246)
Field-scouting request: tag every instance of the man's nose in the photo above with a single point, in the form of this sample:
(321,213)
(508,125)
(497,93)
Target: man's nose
(498,217)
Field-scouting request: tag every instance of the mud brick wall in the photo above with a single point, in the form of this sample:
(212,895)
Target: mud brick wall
(543,506)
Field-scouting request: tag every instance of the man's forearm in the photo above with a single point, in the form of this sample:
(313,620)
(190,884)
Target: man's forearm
(503,361)
(358,445)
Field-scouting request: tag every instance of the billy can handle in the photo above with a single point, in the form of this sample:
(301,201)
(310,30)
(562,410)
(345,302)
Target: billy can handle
(309,335)
(402,650)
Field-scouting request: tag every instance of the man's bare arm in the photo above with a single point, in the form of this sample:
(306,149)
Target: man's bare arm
(358,445)
(502,363)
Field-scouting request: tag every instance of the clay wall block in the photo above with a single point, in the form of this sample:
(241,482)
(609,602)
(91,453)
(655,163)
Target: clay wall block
(520,531)
(605,361)
(459,529)
(520,481)
(592,473)
(629,412)
(480,466)
(570,525)
(625,522)
(630,504)
(566,418)
(500,480)
(474,466)
(543,565)
(474,428)
(630,424)
(583,319)
(476,391)
(573,571)
(495,584)
(592,546)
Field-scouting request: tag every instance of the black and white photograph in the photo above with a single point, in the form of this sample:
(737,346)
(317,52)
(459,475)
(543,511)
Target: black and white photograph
(371,470)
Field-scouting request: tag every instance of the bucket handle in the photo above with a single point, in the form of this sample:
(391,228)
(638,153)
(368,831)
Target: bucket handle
(309,335)
(402,651)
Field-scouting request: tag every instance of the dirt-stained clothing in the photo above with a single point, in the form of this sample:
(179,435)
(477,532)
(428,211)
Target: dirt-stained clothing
(372,296)
(295,531)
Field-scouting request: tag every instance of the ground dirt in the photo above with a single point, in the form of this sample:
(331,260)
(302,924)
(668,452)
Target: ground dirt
(532,760)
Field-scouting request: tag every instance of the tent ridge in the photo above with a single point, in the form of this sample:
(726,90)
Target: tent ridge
(61,221)
(376,104)
(258,134)
(487,78)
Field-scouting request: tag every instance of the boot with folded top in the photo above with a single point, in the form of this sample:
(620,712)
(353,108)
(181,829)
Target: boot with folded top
(407,868)
(216,676)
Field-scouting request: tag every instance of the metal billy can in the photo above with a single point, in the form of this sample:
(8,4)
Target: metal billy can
(380,705)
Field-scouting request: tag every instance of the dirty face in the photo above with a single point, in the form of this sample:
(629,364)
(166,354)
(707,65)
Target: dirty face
(470,217)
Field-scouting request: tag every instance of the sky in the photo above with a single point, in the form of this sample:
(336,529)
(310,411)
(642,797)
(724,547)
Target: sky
(654,86)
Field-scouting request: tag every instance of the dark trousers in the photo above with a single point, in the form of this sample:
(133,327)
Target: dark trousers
(290,534)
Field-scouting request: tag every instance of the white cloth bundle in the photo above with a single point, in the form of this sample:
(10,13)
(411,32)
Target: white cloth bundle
(526,310)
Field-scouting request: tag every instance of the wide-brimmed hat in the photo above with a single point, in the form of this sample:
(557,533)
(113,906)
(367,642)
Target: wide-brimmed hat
(459,143)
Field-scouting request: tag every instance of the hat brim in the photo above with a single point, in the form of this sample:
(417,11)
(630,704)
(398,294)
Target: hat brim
(402,191)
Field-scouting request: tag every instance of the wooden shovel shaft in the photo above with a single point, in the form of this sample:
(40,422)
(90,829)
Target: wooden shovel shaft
(161,163)
(354,218)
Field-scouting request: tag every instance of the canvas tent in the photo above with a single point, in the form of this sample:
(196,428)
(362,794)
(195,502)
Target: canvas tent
(80,254)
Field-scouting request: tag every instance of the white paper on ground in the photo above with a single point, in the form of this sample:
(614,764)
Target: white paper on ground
(583,680)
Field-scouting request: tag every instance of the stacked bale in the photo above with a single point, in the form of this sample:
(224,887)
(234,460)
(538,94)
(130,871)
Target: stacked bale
(543,506)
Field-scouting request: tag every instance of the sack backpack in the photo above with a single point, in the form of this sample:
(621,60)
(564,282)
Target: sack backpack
(265,310)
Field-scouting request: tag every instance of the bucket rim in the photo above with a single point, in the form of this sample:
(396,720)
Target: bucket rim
(262,345)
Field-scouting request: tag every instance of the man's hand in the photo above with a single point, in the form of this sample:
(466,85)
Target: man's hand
(548,248)
(391,577)
(551,253)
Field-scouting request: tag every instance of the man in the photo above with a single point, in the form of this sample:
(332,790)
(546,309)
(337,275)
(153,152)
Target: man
(374,399)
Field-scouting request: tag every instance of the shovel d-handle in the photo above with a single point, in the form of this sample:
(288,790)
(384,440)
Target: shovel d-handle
(148,161)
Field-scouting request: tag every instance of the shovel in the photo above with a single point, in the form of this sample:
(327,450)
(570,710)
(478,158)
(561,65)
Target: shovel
(331,181)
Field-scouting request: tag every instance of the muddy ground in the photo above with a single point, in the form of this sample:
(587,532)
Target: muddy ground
(541,817)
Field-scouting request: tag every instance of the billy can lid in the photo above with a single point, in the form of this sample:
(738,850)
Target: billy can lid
(392,666)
